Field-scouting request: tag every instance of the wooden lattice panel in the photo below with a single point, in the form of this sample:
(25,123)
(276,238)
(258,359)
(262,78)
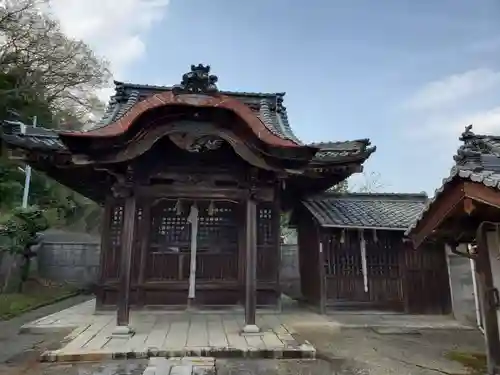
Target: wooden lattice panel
(170,229)
(218,227)
(267,242)
(342,255)
(265,227)
(382,254)
(138,237)
(112,257)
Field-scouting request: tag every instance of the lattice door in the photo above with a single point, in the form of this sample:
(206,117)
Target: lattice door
(169,240)
(267,242)
(113,241)
(217,257)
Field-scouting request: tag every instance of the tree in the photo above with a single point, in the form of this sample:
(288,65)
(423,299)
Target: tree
(41,62)
(19,233)
(370,183)
(342,187)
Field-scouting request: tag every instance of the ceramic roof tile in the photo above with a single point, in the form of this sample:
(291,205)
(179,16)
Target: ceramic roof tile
(28,137)
(370,211)
(267,106)
(477,160)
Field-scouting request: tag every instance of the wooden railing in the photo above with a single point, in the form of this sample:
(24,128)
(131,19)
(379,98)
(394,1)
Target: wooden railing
(210,266)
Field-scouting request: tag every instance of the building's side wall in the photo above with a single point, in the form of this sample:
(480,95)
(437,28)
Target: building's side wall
(462,288)
(290,273)
(494,253)
(309,262)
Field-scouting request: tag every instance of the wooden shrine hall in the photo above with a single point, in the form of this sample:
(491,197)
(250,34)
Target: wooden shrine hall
(192,180)
(354,254)
(465,214)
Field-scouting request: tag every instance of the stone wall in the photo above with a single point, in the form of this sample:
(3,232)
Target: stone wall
(74,258)
(69,257)
(289,273)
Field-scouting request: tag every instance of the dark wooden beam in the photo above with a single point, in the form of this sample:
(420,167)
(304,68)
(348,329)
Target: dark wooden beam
(276,225)
(144,230)
(203,192)
(127,245)
(124,189)
(441,209)
(487,294)
(105,249)
(251,266)
(481,193)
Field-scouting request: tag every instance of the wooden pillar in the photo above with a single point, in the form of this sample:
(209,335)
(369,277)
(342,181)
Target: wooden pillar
(127,245)
(105,250)
(321,271)
(250,266)
(144,232)
(488,300)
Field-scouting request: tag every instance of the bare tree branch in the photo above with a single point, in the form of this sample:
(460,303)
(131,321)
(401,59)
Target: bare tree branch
(46,62)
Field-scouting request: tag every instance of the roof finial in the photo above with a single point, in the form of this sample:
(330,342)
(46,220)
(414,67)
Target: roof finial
(197,81)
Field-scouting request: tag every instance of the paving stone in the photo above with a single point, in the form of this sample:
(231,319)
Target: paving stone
(172,334)
(180,366)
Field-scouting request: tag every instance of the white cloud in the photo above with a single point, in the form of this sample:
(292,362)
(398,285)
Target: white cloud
(115,29)
(453,88)
(446,127)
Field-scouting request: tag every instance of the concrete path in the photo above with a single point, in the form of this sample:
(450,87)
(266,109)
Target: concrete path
(12,344)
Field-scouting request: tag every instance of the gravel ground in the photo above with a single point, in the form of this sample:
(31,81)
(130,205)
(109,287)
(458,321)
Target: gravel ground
(366,351)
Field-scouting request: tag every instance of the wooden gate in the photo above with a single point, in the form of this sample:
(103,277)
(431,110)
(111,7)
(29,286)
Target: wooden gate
(168,257)
(426,283)
(344,275)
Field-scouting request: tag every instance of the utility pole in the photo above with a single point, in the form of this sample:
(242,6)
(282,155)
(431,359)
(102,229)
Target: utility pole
(27,174)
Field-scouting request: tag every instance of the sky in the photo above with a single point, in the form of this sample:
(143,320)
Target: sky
(408,75)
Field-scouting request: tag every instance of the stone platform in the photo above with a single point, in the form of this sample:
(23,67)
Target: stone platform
(172,334)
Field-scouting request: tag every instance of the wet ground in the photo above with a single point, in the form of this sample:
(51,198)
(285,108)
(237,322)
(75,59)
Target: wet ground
(340,352)
(224,367)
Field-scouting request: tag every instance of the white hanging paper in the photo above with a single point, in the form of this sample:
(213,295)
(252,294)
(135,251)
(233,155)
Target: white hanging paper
(193,219)
(364,268)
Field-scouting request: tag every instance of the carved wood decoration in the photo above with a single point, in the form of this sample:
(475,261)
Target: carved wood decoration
(195,143)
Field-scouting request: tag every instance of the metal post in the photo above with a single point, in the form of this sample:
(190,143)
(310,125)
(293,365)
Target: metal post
(27,177)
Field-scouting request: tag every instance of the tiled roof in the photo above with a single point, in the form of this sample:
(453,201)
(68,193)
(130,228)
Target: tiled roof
(267,115)
(366,211)
(477,160)
(12,132)
(268,107)
(339,150)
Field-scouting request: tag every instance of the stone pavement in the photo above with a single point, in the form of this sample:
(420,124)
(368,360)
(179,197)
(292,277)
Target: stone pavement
(172,334)
(180,366)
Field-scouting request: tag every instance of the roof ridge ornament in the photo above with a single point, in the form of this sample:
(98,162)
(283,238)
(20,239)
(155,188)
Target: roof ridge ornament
(468,134)
(197,81)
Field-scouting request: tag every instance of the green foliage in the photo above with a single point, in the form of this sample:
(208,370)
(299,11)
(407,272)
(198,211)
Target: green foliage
(19,228)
